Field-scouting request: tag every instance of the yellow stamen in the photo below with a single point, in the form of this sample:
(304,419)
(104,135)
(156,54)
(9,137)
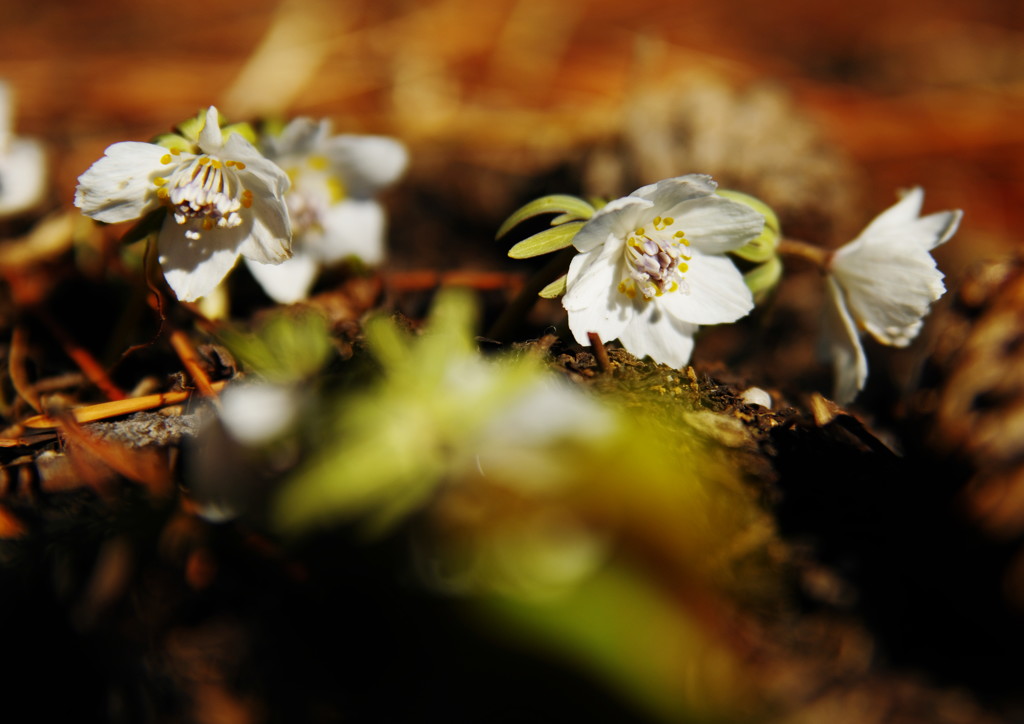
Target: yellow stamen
(166,158)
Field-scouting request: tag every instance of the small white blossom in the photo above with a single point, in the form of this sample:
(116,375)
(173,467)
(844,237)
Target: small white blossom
(652,268)
(22,163)
(223,201)
(884,282)
(332,201)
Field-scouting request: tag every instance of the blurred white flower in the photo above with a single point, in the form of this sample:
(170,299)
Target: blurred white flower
(652,268)
(224,200)
(254,414)
(332,201)
(884,282)
(22,163)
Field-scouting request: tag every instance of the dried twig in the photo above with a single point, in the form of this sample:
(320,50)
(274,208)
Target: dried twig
(116,408)
(190,358)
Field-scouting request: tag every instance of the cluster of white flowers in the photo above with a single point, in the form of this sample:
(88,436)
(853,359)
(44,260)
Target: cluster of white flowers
(655,265)
(307,198)
(651,267)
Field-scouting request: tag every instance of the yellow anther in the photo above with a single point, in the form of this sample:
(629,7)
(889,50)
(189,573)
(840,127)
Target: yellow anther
(317,163)
(207,224)
(215,163)
(669,221)
(162,193)
(640,231)
(683,267)
(166,158)
(239,165)
(176,151)
(203,160)
(159,181)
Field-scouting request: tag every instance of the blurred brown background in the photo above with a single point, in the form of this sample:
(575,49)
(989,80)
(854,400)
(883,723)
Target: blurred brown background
(920,91)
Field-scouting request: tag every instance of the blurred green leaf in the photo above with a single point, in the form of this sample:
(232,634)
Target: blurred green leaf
(292,345)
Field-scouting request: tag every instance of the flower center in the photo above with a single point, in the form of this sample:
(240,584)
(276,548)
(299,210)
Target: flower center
(313,191)
(655,261)
(204,188)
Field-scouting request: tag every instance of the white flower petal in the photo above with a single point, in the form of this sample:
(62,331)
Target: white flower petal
(888,292)
(211,139)
(119,186)
(614,221)
(194,267)
(300,137)
(670,192)
(367,163)
(842,344)
(22,176)
(353,227)
(715,225)
(261,175)
(716,294)
(907,209)
(269,238)
(592,297)
(657,334)
(289,281)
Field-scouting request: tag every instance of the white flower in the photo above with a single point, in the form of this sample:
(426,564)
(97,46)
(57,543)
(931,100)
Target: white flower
(884,281)
(22,163)
(652,267)
(333,210)
(223,201)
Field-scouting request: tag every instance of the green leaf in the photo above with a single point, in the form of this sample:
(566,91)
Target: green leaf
(570,208)
(554,289)
(546,241)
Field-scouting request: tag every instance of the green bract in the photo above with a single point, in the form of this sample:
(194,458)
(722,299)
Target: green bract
(572,212)
(546,241)
(763,278)
(554,289)
(763,247)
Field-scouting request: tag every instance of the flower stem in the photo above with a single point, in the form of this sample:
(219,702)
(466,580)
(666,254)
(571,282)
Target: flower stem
(814,254)
(513,314)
